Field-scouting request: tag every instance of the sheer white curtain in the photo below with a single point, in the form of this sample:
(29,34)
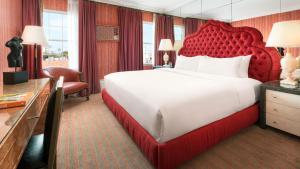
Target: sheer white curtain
(73,9)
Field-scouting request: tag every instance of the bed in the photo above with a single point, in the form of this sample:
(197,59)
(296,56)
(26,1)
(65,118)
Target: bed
(170,129)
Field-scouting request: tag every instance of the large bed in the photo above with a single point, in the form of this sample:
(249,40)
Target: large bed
(173,115)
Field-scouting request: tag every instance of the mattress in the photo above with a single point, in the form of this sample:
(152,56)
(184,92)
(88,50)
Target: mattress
(169,103)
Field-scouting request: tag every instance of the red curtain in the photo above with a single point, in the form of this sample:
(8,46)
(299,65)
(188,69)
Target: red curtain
(191,25)
(88,61)
(131,39)
(32,15)
(164,29)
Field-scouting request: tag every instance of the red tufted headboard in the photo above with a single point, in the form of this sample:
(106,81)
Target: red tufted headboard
(218,39)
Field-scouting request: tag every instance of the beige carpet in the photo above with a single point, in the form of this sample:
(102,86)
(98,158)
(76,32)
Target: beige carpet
(91,138)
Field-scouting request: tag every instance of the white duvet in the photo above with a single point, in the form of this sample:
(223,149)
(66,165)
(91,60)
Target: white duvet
(169,103)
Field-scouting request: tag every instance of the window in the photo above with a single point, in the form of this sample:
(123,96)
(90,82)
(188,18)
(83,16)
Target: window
(56,29)
(148,42)
(179,32)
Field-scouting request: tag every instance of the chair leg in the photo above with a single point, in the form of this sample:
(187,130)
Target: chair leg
(87,94)
(66,96)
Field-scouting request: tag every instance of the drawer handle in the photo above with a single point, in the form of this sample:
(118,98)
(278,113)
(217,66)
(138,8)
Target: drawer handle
(274,97)
(34,117)
(274,122)
(275,110)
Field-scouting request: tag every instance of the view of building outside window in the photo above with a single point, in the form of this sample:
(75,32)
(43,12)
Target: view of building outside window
(148,43)
(55,24)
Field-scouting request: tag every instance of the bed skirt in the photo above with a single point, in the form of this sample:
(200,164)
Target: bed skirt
(171,154)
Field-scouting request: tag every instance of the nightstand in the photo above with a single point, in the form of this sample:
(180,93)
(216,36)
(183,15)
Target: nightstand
(280,107)
(162,66)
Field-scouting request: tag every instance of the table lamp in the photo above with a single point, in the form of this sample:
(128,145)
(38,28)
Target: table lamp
(286,34)
(165,45)
(34,35)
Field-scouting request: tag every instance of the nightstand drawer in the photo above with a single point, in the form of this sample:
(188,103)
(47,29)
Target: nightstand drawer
(283,124)
(283,98)
(283,111)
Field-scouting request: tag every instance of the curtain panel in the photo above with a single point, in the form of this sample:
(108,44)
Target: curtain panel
(190,26)
(88,61)
(164,29)
(131,39)
(32,15)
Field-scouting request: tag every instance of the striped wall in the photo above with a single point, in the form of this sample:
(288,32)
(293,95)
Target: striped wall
(11,25)
(107,51)
(58,5)
(264,24)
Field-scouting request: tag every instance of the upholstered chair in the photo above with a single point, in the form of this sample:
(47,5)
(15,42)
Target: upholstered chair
(73,82)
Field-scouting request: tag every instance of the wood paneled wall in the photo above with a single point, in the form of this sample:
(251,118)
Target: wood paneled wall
(178,21)
(148,16)
(107,51)
(57,5)
(264,24)
(11,25)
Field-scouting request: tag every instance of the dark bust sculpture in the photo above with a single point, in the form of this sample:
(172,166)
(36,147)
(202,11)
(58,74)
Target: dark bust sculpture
(15,58)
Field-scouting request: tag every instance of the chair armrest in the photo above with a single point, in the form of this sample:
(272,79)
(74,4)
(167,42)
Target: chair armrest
(46,74)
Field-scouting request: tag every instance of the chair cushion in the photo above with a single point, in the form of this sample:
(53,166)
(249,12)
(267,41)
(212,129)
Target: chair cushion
(33,157)
(73,87)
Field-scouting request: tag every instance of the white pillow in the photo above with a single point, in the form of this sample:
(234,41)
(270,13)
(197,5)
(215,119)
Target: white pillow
(220,66)
(187,63)
(244,65)
(233,66)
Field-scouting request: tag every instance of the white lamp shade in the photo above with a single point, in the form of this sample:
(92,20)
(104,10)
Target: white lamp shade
(34,35)
(165,45)
(285,34)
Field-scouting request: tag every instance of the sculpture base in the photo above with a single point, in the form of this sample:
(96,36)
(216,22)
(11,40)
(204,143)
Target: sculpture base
(15,77)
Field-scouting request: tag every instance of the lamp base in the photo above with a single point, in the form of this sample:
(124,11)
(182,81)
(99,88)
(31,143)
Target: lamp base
(289,82)
(166,58)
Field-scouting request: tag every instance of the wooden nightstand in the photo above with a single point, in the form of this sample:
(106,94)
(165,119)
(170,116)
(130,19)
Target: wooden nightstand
(280,107)
(162,66)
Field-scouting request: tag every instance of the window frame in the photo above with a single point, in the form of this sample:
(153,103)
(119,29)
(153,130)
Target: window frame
(183,32)
(62,27)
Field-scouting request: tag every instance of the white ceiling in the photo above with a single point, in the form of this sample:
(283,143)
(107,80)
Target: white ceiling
(211,9)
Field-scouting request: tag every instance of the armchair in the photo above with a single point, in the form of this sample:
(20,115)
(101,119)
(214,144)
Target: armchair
(73,82)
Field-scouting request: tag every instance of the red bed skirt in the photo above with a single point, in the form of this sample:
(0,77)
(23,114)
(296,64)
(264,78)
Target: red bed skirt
(174,152)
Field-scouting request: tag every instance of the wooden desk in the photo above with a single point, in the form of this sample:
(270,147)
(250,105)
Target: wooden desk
(18,124)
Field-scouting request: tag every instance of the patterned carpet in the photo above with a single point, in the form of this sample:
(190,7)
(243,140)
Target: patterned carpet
(91,138)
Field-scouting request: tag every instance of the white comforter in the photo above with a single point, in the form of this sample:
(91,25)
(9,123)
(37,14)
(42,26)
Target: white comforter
(169,103)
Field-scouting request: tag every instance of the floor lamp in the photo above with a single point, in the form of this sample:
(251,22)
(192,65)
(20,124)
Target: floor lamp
(34,35)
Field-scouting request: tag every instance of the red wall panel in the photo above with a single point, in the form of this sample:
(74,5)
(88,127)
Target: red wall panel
(107,51)
(11,25)
(57,5)
(264,24)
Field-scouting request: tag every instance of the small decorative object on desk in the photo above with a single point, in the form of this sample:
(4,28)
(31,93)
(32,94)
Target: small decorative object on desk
(13,100)
(15,60)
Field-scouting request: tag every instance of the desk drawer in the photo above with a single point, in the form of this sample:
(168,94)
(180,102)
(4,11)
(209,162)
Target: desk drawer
(283,124)
(283,111)
(287,99)
(19,139)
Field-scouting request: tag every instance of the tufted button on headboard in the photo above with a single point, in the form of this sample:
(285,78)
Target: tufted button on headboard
(218,39)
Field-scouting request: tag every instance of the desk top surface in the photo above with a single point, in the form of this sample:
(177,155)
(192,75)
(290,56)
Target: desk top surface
(10,117)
